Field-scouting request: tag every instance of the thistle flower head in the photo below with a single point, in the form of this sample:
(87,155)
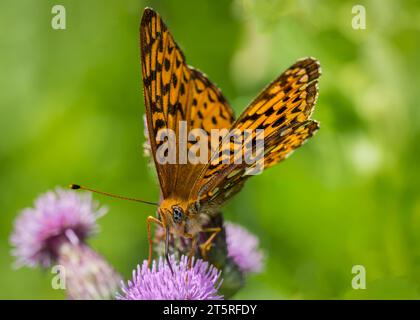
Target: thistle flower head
(57,217)
(243,248)
(88,275)
(200,282)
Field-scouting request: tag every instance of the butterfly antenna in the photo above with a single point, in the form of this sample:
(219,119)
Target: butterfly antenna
(77,186)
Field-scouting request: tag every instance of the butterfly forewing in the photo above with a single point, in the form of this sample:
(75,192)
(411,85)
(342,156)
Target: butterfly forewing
(175,92)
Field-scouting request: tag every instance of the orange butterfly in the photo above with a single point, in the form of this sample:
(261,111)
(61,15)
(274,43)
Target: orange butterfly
(191,194)
(174,92)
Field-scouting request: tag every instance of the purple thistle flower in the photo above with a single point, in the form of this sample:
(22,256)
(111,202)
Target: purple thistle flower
(58,217)
(200,282)
(55,231)
(243,248)
(88,276)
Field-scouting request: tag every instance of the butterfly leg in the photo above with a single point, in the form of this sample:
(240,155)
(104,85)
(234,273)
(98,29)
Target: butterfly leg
(206,246)
(149,222)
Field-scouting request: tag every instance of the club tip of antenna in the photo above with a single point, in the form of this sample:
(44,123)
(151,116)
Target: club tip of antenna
(74,186)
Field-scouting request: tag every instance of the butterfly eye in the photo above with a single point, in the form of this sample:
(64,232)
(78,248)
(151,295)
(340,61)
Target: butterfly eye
(178,214)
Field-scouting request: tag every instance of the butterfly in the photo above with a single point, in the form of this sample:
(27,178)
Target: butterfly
(174,92)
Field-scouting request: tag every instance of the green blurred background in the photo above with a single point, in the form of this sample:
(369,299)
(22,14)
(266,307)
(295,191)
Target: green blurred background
(71,111)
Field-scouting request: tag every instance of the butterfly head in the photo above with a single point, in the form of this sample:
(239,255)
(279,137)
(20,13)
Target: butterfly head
(178,219)
(173,216)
